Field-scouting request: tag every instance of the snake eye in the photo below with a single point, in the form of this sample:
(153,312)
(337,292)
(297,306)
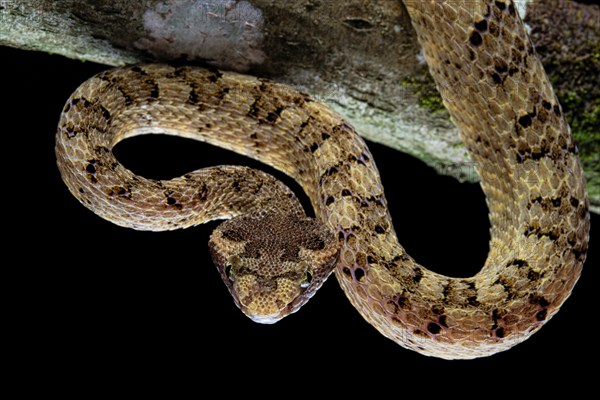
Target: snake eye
(307,280)
(229,272)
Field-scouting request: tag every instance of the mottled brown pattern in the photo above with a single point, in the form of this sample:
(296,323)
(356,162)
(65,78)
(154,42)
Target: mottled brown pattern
(510,120)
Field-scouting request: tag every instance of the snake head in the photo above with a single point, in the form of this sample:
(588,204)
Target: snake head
(272,263)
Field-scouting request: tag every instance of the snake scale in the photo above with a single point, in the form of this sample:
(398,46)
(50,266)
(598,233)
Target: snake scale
(510,120)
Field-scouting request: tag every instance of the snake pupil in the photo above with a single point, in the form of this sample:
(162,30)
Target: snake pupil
(228,272)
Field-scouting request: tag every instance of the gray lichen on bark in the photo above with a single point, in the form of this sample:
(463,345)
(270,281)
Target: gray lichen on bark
(359,56)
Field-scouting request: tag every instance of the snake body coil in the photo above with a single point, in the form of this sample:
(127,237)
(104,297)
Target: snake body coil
(510,120)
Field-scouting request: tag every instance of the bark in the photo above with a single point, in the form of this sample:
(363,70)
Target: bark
(359,56)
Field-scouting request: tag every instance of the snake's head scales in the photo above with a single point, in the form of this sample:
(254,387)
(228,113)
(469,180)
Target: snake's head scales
(273,263)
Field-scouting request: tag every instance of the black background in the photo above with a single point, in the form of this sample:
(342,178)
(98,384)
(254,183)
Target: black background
(98,304)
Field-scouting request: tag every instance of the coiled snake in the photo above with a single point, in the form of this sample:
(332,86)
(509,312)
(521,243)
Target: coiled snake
(510,120)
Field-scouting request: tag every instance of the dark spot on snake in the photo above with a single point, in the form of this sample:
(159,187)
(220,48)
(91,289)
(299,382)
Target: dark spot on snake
(497,78)
(512,71)
(557,110)
(546,105)
(481,26)
(275,115)
(105,113)
(500,5)
(81,191)
(325,136)
(402,301)
(70,131)
(180,71)
(379,229)
(529,231)
(138,70)
(472,301)
(253,111)
(193,97)
(346,193)
(222,93)
(313,147)
(507,286)
(103,150)
(446,291)
(236,185)
(347,272)
(216,74)
(119,191)
(126,97)
(418,275)
(437,309)
(501,67)
(541,300)
(254,136)
(90,168)
(498,314)
(83,101)
(359,273)
(556,202)
(341,235)
(525,121)
(574,202)
(500,332)
(331,170)
(419,332)
(533,275)
(203,192)
(154,92)
(67,107)
(472,55)
(443,320)
(329,200)
(579,253)
(476,39)
(540,316)
(511,9)
(371,260)
(434,328)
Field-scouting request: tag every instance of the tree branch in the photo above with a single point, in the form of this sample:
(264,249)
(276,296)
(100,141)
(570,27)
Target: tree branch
(359,56)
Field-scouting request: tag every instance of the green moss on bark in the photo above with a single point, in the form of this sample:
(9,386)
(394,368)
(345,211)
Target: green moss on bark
(571,57)
(423,88)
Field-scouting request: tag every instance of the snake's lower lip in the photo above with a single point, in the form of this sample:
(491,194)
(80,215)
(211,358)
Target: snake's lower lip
(266,319)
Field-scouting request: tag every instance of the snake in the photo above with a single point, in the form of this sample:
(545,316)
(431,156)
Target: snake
(273,258)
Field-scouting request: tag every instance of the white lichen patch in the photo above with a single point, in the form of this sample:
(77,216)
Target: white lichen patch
(521,6)
(225,33)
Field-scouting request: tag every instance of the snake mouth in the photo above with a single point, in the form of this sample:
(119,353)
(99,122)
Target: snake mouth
(267,319)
